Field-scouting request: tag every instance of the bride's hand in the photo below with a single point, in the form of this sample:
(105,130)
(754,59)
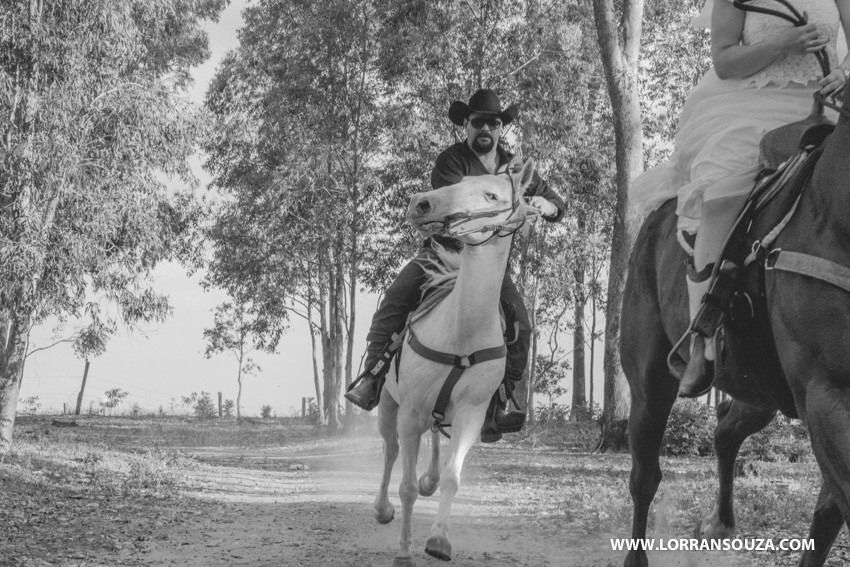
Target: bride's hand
(833,82)
(801,40)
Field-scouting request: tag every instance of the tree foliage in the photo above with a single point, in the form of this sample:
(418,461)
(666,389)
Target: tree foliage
(294,149)
(94,126)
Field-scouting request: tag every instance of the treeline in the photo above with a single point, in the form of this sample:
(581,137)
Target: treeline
(330,115)
(317,129)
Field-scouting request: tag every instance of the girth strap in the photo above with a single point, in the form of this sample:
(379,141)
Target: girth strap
(808,265)
(458,364)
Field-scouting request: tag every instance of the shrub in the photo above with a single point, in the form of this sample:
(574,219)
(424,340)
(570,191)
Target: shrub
(784,440)
(690,429)
(202,404)
(553,413)
(266,412)
(312,410)
(30,405)
(227,407)
(112,398)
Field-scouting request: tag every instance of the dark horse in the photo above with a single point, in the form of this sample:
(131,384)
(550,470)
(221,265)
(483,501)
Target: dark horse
(809,320)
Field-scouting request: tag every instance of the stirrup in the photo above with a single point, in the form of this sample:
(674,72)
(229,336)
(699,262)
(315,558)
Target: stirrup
(675,363)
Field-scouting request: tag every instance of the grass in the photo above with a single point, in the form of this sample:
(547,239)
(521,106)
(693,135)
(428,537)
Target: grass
(540,479)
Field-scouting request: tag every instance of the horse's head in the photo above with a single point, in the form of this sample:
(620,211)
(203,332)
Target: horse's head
(477,207)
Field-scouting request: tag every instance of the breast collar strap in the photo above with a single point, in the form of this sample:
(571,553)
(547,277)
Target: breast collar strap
(458,364)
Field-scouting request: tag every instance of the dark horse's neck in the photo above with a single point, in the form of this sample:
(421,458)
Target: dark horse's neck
(830,188)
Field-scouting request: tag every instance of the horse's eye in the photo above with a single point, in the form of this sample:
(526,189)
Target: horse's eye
(491,196)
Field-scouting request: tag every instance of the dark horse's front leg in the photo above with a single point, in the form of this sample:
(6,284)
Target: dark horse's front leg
(826,523)
(653,393)
(735,422)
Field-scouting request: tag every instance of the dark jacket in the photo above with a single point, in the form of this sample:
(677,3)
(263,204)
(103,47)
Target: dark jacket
(459,161)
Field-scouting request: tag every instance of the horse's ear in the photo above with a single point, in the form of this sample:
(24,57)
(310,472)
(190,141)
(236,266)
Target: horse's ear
(526,173)
(516,163)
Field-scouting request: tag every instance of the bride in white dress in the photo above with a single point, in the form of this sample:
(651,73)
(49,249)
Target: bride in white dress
(764,75)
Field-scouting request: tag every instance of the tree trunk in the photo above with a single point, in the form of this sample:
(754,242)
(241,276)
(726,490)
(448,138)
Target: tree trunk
(13,348)
(592,349)
(316,380)
(352,298)
(239,394)
(82,389)
(579,403)
(620,45)
(339,323)
(532,376)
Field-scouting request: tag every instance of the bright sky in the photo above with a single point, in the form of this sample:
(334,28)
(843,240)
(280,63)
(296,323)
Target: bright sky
(163,362)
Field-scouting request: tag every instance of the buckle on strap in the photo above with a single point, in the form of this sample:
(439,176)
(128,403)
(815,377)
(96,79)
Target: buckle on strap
(770,259)
(463,361)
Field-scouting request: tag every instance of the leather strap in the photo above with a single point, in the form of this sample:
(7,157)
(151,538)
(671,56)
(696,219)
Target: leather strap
(459,364)
(808,265)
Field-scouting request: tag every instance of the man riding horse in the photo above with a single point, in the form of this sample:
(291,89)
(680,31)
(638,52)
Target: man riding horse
(479,154)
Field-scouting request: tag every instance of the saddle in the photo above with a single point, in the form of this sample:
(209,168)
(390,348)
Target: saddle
(736,302)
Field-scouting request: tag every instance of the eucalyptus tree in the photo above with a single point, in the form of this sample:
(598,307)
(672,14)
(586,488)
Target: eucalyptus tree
(94,125)
(235,331)
(674,59)
(293,151)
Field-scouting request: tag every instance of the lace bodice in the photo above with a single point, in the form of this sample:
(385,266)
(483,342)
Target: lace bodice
(792,68)
(800,69)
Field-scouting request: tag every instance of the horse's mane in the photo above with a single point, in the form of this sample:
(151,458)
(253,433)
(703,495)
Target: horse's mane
(441,268)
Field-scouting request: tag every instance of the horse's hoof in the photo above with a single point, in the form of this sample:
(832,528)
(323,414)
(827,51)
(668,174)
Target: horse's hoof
(710,527)
(439,547)
(403,562)
(385,517)
(426,488)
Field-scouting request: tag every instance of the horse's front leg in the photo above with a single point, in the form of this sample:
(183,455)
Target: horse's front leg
(735,422)
(826,523)
(466,425)
(408,490)
(430,479)
(653,393)
(388,427)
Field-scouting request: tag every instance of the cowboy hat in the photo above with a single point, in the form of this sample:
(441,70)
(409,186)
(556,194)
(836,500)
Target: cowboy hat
(484,101)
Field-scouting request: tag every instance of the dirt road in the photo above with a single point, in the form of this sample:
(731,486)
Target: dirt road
(310,505)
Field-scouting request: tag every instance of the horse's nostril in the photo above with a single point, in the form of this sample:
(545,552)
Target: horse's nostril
(423,207)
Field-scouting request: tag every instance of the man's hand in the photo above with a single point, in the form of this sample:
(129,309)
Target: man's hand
(546,208)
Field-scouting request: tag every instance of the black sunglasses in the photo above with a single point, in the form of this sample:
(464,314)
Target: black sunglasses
(492,121)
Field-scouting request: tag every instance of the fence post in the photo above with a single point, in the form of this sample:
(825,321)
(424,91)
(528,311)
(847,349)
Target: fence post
(219,404)
(303,407)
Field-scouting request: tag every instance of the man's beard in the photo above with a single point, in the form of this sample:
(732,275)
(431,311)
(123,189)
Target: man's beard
(482,143)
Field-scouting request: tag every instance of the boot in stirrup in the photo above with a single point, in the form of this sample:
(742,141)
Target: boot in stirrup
(698,376)
(365,391)
(499,421)
(706,312)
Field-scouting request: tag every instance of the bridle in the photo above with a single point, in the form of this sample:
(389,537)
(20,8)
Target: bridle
(823,58)
(453,223)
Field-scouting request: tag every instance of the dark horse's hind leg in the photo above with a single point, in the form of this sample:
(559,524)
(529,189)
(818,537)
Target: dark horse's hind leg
(826,523)
(653,394)
(735,422)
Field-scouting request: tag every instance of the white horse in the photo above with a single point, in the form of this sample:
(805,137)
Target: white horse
(481,211)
